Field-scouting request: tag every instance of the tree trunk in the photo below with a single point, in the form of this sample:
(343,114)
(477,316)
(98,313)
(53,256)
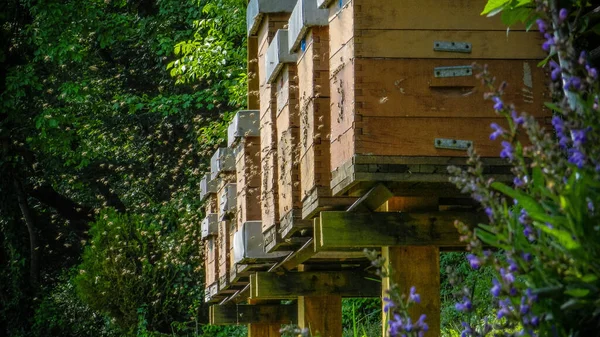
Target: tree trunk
(34,263)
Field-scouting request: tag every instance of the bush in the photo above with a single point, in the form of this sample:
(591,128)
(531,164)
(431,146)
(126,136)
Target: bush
(134,263)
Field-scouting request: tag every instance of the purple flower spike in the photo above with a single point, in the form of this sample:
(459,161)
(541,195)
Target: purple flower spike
(548,43)
(577,158)
(541,25)
(574,83)
(413,296)
(562,14)
(508,151)
(520,120)
(578,136)
(498,131)
(499,105)
(474,261)
(592,72)
(496,288)
(556,71)
(582,58)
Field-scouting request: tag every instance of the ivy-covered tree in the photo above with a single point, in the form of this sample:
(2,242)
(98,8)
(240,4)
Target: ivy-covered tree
(93,125)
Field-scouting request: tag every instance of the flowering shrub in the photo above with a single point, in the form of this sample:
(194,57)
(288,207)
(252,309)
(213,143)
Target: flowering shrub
(547,224)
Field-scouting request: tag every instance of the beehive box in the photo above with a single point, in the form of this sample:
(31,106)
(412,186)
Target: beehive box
(244,135)
(418,97)
(265,32)
(211,268)
(315,121)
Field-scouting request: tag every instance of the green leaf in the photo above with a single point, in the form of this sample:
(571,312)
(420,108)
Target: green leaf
(53,123)
(552,106)
(487,237)
(563,237)
(589,278)
(533,208)
(494,7)
(577,292)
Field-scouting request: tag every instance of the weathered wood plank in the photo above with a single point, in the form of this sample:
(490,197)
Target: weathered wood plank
(264,330)
(374,198)
(248,314)
(264,286)
(322,315)
(339,230)
(420,44)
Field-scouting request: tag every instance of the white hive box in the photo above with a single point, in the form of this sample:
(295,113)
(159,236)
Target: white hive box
(278,54)
(227,202)
(306,14)
(208,186)
(222,161)
(248,245)
(257,8)
(210,225)
(245,123)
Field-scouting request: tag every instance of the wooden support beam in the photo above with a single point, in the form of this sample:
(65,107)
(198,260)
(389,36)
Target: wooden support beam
(322,315)
(247,314)
(264,330)
(343,230)
(415,266)
(266,286)
(374,198)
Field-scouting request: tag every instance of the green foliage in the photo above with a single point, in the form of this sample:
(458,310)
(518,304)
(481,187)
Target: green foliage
(62,313)
(135,262)
(361,317)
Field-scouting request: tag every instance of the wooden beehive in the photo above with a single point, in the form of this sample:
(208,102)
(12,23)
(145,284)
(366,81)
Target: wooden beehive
(244,136)
(211,268)
(265,32)
(402,85)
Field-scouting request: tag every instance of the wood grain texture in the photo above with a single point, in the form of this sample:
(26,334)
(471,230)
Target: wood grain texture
(269,198)
(260,314)
(211,261)
(425,14)
(322,315)
(252,99)
(264,285)
(339,230)
(264,330)
(313,65)
(288,169)
(224,246)
(408,88)
(248,181)
(420,43)
(391,136)
(315,125)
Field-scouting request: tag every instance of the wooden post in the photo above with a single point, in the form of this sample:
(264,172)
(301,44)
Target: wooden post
(415,266)
(322,315)
(264,330)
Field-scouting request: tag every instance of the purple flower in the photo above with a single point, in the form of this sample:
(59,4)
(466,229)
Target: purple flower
(464,306)
(489,212)
(541,25)
(518,182)
(549,42)
(574,83)
(520,120)
(507,277)
(562,14)
(512,265)
(535,321)
(496,288)
(421,323)
(413,296)
(507,150)
(582,57)
(559,127)
(528,232)
(578,137)
(592,72)
(523,217)
(577,158)
(498,131)
(499,105)
(590,206)
(396,325)
(555,70)
(474,261)
(389,304)
(527,257)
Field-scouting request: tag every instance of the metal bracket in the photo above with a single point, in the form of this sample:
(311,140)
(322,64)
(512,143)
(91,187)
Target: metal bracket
(454,71)
(452,144)
(451,46)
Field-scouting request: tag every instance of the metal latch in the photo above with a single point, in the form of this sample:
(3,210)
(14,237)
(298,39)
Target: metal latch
(454,71)
(451,46)
(452,144)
